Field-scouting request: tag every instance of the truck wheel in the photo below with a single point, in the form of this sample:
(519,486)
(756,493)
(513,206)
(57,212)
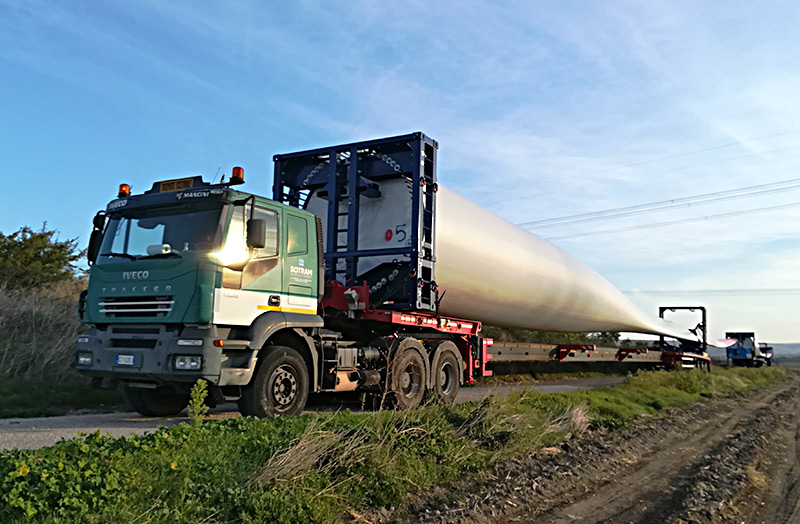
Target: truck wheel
(279,387)
(159,402)
(445,376)
(408,375)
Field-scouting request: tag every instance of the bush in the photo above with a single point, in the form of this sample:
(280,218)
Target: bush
(31,258)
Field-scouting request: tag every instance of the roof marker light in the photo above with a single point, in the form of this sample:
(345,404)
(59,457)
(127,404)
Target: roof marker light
(124,190)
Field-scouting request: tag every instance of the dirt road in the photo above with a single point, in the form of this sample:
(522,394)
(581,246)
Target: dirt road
(32,433)
(732,461)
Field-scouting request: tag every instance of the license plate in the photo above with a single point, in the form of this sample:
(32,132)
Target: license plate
(126,360)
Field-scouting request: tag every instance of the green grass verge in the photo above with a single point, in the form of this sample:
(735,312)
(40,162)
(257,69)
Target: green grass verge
(315,467)
(45,398)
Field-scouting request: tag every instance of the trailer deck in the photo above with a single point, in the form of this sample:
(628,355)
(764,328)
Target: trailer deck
(520,352)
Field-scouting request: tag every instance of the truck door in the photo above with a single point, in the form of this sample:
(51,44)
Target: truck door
(300,265)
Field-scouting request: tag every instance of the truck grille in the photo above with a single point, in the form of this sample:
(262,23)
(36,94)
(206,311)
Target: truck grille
(136,306)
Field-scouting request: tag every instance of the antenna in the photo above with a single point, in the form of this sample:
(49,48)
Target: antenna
(215,174)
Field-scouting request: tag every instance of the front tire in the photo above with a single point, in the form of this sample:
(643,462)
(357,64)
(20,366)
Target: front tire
(159,402)
(279,387)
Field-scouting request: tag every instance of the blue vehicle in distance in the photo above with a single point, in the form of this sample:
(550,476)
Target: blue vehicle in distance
(746,352)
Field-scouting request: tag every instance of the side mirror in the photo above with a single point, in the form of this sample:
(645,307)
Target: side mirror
(94,245)
(256,233)
(99,220)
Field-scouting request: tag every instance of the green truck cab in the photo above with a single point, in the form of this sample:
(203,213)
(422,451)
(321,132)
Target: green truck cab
(185,279)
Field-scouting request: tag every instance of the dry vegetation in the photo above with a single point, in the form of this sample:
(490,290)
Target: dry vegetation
(38,328)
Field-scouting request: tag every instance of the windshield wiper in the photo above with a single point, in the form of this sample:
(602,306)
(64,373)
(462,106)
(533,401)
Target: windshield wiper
(171,254)
(123,255)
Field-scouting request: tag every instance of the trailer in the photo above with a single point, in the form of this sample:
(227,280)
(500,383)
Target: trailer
(360,273)
(512,357)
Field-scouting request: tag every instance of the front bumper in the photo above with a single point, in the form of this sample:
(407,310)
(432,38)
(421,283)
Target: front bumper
(149,353)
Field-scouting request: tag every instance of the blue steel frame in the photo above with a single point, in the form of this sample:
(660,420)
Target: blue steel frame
(296,174)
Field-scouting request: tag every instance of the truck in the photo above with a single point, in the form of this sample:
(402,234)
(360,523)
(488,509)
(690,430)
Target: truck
(746,352)
(360,273)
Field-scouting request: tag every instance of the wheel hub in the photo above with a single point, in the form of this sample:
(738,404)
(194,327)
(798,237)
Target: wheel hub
(446,377)
(284,386)
(410,380)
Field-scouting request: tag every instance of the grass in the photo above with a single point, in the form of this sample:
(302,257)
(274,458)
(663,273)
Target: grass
(46,398)
(317,467)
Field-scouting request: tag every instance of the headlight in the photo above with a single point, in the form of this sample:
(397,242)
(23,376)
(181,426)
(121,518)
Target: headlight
(84,358)
(189,342)
(83,339)
(188,363)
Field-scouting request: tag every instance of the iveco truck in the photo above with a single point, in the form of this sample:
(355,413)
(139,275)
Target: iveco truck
(192,280)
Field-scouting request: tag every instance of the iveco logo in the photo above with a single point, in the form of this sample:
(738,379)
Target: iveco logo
(135,275)
(116,204)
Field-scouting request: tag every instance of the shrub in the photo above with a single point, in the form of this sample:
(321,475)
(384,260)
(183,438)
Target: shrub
(31,258)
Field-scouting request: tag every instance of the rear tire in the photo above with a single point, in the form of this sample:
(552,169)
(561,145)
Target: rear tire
(408,376)
(159,402)
(279,387)
(446,380)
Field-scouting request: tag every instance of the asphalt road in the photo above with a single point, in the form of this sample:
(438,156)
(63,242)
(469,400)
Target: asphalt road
(32,433)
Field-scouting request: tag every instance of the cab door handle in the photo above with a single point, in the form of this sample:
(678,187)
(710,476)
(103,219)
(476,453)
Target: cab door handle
(274,300)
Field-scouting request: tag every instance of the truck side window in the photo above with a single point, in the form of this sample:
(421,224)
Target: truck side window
(271,218)
(297,238)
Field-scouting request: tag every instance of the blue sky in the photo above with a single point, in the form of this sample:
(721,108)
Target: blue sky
(541,110)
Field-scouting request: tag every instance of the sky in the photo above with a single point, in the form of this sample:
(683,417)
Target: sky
(541,110)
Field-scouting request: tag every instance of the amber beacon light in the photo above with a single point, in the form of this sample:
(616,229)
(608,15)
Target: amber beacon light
(124,190)
(237,175)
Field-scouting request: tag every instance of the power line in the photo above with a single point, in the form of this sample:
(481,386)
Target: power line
(675,222)
(662,205)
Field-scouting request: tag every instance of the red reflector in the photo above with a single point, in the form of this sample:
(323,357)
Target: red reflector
(237,175)
(218,343)
(124,190)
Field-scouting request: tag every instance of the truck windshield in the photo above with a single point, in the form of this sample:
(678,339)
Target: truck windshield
(162,232)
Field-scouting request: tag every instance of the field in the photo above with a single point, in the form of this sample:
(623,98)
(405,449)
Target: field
(327,467)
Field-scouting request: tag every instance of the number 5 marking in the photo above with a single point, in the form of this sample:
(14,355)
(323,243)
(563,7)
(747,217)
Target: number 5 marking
(398,232)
